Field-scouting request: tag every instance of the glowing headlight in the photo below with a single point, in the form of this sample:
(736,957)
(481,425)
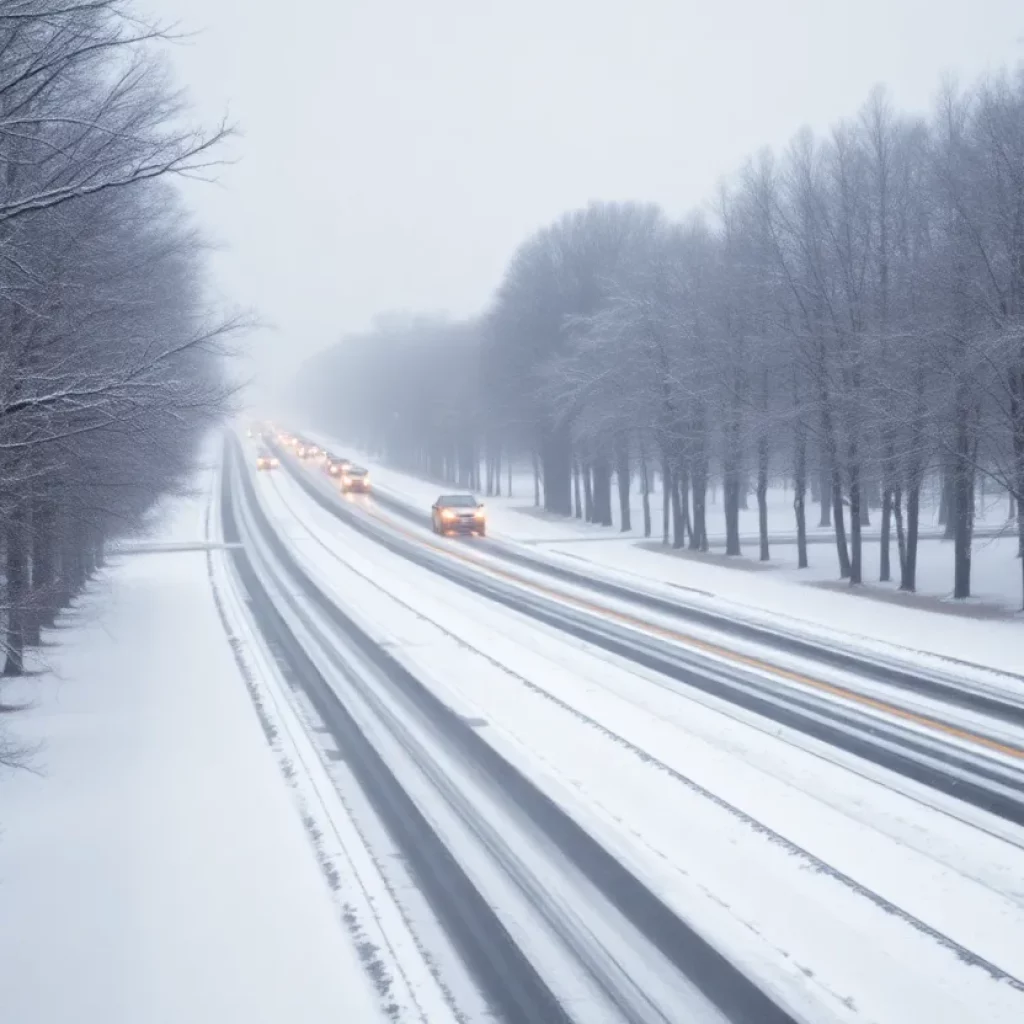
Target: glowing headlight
(447,513)
(479,513)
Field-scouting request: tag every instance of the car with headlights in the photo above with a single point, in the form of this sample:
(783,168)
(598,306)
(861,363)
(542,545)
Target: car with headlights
(335,465)
(354,479)
(458,513)
(266,461)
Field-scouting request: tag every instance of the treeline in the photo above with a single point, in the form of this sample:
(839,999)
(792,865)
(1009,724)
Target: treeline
(110,365)
(847,316)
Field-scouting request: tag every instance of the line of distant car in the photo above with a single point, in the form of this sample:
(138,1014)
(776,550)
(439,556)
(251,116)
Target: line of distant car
(351,478)
(450,514)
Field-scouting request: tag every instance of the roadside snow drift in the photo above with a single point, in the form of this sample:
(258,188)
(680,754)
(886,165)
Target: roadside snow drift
(157,869)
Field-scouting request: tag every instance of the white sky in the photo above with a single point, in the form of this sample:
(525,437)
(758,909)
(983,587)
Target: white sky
(396,152)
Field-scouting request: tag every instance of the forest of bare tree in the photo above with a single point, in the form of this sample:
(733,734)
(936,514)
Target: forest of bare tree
(111,365)
(846,317)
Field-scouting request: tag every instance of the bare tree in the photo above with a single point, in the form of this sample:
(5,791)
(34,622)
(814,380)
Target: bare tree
(848,319)
(111,366)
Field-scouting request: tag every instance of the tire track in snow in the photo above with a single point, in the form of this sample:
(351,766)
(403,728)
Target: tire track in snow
(813,862)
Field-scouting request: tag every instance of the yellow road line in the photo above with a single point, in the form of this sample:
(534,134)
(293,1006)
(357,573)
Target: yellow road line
(820,685)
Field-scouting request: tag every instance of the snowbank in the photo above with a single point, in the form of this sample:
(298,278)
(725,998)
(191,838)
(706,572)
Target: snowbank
(157,869)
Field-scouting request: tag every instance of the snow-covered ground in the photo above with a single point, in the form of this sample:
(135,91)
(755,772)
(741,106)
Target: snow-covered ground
(606,742)
(155,867)
(773,592)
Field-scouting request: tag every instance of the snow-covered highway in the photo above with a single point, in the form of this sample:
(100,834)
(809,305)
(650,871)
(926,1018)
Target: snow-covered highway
(705,851)
(958,737)
(549,890)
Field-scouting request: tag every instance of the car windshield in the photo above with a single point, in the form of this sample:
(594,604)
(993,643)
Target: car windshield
(355,471)
(457,501)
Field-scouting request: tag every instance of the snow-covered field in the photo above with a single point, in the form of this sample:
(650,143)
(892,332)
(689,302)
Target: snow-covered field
(155,867)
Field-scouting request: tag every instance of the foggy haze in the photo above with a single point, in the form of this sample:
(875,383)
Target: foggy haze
(604,600)
(395,153)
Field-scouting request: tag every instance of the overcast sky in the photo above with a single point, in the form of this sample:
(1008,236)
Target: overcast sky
(396,152)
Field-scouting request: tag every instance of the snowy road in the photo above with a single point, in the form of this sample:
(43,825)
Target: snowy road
(782,599)
(963,740)
(847,885)
(551,883)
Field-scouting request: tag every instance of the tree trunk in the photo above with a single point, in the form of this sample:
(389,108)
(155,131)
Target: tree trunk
(908,578)
(963,514)
(762,495)
(916,468)
(731,501)
(1017,420)
(17,590)
(679,510)
(622,479)
(831,450)
(603,491)
(72,558)
(683,480)
(557,466)
(947,515)
(884,569)
(800,490)
(536,481)
(840,524)
(588,494)
(856,504)
(577,499)
(896,505)
(699,528)
(645,489)
(87,550)
(1020,553)
(666,498)
(44,589)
